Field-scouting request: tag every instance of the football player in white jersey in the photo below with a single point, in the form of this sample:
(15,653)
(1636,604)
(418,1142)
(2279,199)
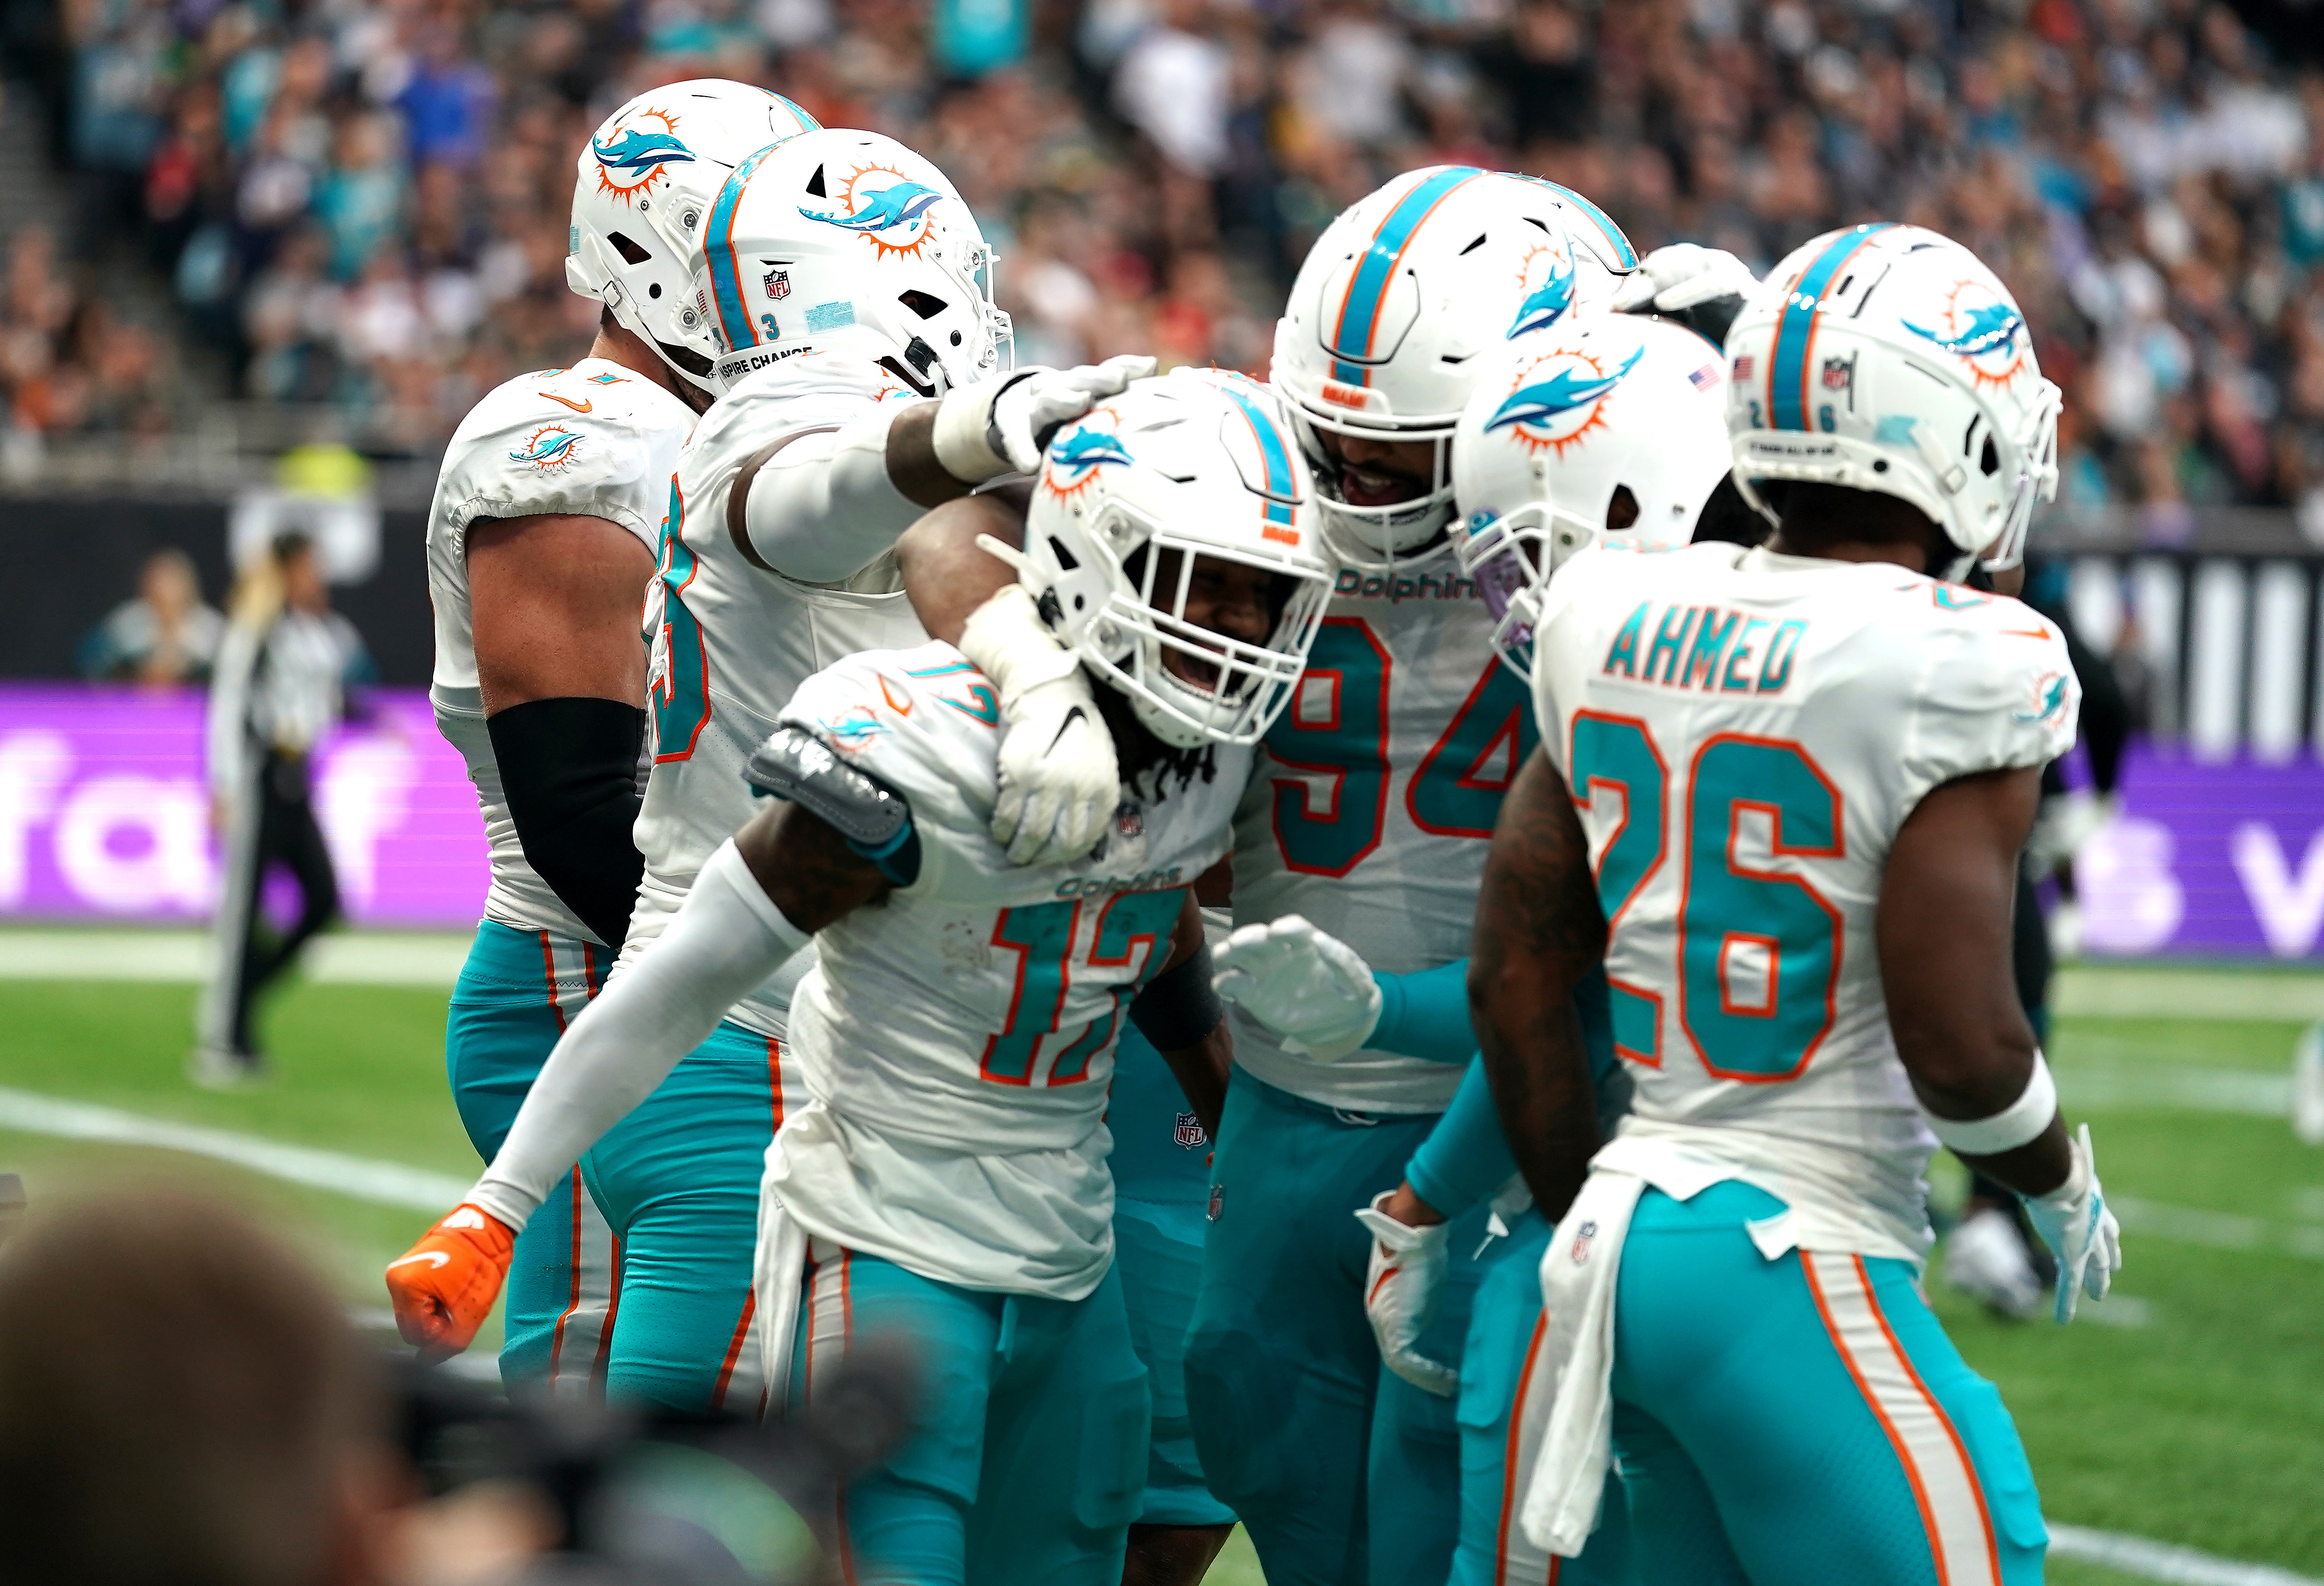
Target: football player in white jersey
(544,528)
(947,1179)
(1368,815)
(818,287)
(1781,794)
(1614,427)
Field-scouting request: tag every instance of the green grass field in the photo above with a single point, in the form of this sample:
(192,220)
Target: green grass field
(2195,1415)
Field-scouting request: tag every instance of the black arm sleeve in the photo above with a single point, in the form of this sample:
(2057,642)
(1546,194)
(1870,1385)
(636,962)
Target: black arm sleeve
(1178,1007)
(569,767)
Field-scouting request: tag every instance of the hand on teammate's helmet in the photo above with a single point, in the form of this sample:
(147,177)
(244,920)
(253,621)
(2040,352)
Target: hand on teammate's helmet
(1312,989)
(1683,275)
(443,1287)
(1060,780)
(1400,1283)
(2074,1223)
(1031,409)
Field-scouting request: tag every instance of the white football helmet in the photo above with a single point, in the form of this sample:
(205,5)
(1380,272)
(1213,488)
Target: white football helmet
(1200,463)
(1563,418)
(1889,358)
(1393,314)
(643,184)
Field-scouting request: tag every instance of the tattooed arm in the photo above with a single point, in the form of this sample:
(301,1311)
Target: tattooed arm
(1540,929)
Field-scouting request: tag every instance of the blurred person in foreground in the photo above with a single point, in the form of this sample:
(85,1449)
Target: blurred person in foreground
(181,1403)
(166,633)
(281,683)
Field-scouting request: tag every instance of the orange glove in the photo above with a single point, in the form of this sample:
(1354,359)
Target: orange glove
(444,1287)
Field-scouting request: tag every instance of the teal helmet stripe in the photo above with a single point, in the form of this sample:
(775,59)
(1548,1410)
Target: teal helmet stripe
(1351,338)
(1282,488)
(1599,219)
(806,122)
(718,253)
(1787,360)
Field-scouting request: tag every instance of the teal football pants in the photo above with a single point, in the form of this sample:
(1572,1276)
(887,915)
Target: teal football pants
(515,992)
(1342,1472)
(678,1180)
(1161,1184)
(1028,1456)
(1502,1334)
(1803,1421)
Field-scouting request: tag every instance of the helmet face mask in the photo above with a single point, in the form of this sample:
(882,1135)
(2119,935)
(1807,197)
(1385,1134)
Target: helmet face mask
(1563,422)
(1141,504)
(1397,306)
(1925,389)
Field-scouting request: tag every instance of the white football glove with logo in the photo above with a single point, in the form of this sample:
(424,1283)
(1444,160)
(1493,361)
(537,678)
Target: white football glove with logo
(1683,275)
(1060,783)
(1314,991)
(1000,426)
(2074,1223)
(1400,1285)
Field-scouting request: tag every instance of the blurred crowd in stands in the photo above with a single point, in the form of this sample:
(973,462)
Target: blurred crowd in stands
(363,202)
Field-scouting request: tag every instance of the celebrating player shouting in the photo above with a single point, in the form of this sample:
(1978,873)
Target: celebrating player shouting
(1781,792)
(947,1177)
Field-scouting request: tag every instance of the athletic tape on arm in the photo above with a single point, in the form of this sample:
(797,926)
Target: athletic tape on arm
(2017,1124)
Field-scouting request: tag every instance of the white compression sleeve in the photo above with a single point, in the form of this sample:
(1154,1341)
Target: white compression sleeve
(823,508)
(725,939)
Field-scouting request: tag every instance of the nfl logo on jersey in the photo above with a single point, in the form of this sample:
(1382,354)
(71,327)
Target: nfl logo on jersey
(1189,1132)
(779,284)
(1582,1238)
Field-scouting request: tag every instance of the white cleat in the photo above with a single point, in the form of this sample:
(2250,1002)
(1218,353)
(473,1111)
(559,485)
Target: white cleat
(221,1069)
(1986,1258)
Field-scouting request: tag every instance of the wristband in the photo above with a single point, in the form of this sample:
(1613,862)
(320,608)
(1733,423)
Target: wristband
(2017,1124)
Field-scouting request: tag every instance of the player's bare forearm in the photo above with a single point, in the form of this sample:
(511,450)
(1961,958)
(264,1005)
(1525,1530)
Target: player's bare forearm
(806,867)
(1943,931)
(912,463)
(947,574)
(1539,931)
(554,600)
(1201,1070)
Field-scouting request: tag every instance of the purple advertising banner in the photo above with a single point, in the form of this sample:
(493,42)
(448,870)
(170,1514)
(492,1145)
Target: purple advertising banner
(105,810)
(2216,857)
(104,813)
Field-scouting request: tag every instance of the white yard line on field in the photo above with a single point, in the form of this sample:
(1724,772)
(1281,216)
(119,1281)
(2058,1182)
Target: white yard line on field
(2090,990)
(2161,1561)
(356,958)
(361,1178)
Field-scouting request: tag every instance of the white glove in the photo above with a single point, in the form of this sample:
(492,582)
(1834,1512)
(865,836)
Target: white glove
(1314,991)
(1681,276)
(2074,1223)
(1400,1285)
(1000,426)
(1060,783)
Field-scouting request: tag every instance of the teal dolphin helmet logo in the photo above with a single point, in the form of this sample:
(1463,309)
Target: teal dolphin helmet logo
(891,207)
(1075,456)
(1546,303)
(634,151)
(1991,327)
(1536,408)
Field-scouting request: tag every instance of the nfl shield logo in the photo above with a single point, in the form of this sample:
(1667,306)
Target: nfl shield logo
(1189,1132)
(1582,1238)
(779,284)
(1218,1201)
(1837,374)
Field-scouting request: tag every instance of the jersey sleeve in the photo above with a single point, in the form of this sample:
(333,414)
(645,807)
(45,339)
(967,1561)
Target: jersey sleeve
(1994,691)
(878,715)
(561,443)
